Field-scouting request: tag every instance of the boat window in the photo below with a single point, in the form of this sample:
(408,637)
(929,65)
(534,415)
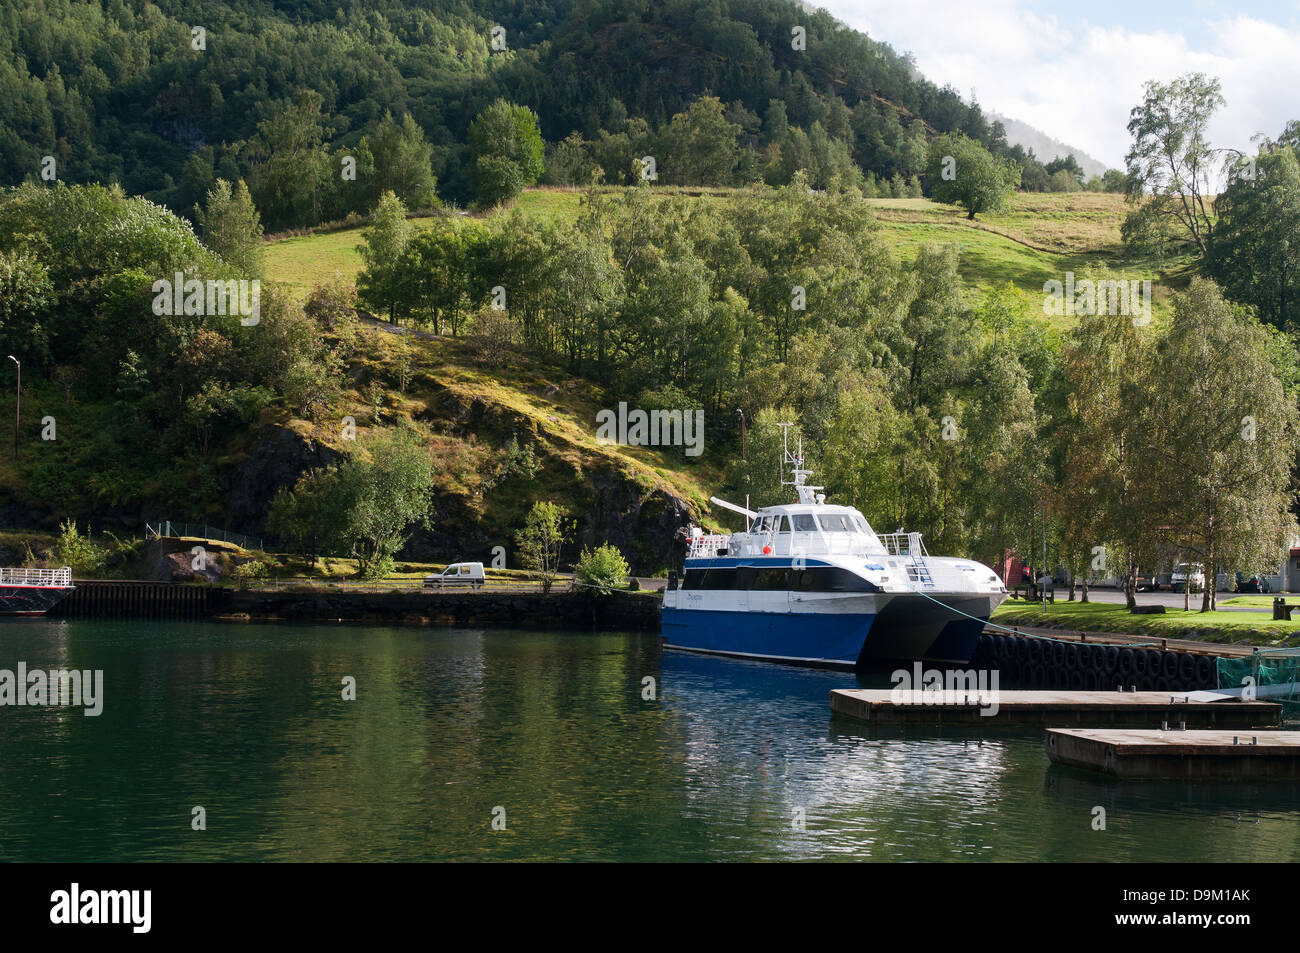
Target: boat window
(809,580)
(831,579)
(804,523)
(836,523)
(757,525)
(772,579)
(694,579)
(861,524)
(782,524)
(719,578)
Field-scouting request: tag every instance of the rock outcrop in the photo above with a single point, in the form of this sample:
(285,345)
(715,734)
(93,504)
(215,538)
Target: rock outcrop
(281,456)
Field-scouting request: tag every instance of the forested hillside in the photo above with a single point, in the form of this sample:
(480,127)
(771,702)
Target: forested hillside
(136,94)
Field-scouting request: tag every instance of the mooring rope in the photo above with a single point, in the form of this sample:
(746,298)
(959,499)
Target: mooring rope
(1029,635)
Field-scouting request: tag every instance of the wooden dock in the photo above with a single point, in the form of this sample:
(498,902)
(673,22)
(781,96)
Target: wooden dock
(1145,754)
(1056,708)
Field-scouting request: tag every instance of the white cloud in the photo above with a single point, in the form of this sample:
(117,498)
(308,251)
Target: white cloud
(1076,81)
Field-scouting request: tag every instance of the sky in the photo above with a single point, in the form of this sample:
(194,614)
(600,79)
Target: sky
(1075,70)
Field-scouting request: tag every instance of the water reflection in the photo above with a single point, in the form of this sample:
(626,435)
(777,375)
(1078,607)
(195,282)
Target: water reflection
(731,760)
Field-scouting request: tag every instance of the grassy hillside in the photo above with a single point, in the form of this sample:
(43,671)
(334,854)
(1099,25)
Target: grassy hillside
(1040,237)
(471,406)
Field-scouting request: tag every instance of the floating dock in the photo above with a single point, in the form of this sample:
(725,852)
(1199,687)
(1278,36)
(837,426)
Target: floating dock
(1145,754)
(1056,708)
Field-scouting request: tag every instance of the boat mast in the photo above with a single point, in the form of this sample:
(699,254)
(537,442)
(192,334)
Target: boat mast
(807,494)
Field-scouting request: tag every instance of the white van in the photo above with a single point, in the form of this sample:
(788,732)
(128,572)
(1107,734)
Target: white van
(457,575)
(1185,575)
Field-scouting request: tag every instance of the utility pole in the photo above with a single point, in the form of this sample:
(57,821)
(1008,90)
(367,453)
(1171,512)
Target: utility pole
(742,434)
(1044,554)
(18,402)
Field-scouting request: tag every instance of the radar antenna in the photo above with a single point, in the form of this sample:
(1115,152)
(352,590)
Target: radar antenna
(795,463)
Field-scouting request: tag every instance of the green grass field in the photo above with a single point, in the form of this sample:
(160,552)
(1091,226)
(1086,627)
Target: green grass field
(307,260)
(1039,238)
(1255,602)
(1062,222)
(1254,628)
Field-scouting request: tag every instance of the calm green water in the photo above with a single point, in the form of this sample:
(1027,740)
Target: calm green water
(248,722)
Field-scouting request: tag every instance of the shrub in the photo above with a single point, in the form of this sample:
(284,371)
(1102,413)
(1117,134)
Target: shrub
(246,572)
(72,549)
(493,336)
(331,303)
(602,570)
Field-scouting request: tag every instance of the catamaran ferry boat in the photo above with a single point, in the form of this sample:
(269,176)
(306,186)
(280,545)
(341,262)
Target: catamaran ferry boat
(811,583)
(30,592)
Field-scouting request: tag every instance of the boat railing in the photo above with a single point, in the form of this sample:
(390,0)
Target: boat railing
(699,547)
(910,545)
(783,544)
(903,544)
(36,577)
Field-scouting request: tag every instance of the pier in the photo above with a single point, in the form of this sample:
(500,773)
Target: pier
(142,599)
(1148,754)
(138,599)
(1057,708)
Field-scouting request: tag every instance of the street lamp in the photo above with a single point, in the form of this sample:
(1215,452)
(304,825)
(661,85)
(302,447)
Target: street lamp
(18,401)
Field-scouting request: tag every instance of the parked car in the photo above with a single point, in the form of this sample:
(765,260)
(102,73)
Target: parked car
(1187,575)
(1252,583)
(457,575)
(1145,582)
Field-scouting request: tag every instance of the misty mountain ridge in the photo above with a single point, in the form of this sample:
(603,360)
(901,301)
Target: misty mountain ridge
(1045,148)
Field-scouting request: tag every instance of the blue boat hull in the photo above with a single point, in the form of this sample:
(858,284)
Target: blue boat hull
(806,639)
(908,628)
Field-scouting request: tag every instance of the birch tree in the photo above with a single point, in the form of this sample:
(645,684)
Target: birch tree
(1223,436)
(1171,162)
(1101,495)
